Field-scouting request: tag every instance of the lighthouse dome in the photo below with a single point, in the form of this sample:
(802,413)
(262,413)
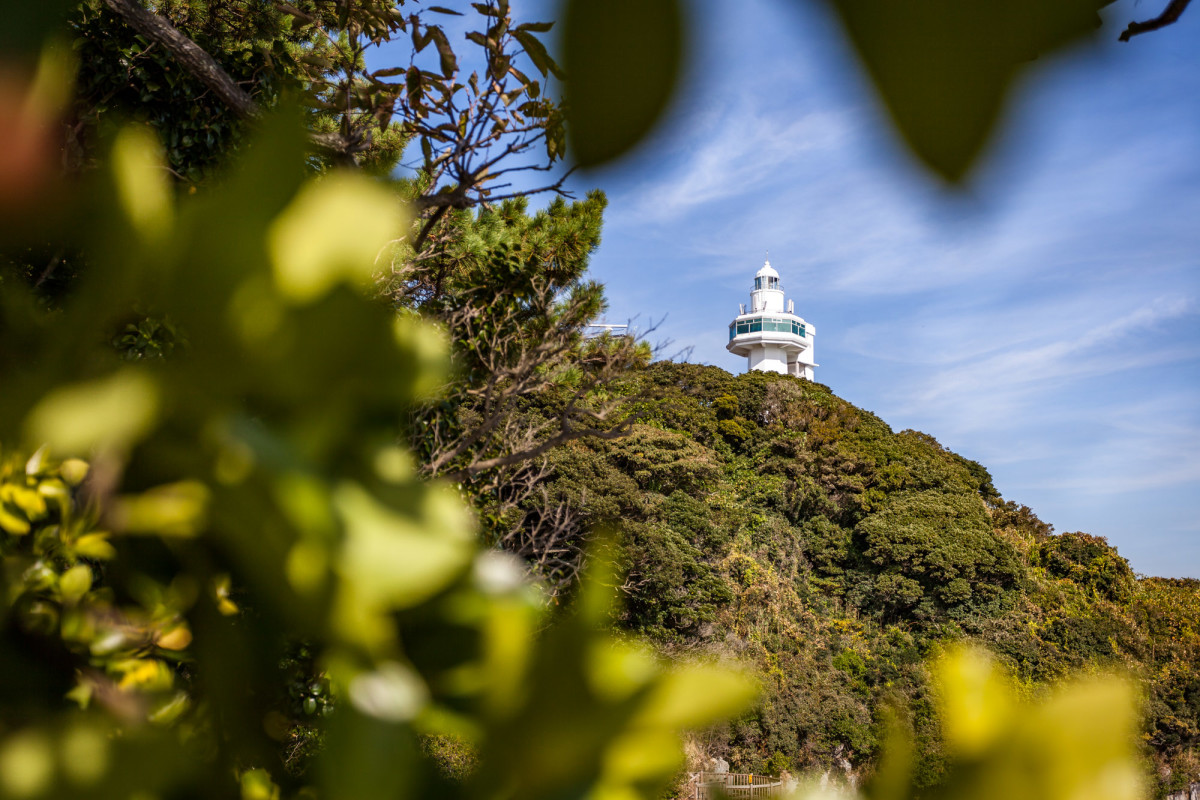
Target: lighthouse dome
(767,271)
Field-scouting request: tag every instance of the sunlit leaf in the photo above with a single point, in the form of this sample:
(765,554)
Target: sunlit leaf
(75,583)
(390,560)
(84,754)
(108,412)
(26,764)
(73,471)
(695,695)
(141,179)
(176,509)
(975,700)
(333,231)
(256,784)
(392,692)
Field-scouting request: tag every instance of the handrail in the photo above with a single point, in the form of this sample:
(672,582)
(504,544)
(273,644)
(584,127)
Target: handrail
(736,784)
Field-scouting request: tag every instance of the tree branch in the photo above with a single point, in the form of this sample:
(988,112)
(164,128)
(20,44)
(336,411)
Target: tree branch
(204,68)
(1169,16)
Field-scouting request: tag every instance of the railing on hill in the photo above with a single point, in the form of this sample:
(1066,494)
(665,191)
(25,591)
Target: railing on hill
(735,785)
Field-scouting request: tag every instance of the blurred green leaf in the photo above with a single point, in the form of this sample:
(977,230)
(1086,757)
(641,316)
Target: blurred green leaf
(26,764)
(176,509)
(75,583)
(944,68)
(1079,741)
(333,230)
(391,560)
(141,181)
(114,411)
(976,701)
(697,695)
(622,60)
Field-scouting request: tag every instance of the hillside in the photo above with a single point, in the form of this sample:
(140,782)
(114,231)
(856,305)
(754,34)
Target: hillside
(765,518)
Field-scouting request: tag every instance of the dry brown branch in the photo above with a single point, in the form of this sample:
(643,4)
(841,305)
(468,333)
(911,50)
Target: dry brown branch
(1169,16)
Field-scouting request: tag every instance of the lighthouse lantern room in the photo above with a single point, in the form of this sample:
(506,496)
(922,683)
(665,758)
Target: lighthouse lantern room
(772,339)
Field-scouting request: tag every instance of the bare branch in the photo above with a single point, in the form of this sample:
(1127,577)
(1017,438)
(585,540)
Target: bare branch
(1169,16)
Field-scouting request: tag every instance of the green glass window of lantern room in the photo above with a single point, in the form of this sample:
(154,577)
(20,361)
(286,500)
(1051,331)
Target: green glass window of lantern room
(755,325)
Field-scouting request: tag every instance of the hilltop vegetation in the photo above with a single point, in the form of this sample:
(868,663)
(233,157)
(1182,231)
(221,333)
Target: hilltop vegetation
(764,518)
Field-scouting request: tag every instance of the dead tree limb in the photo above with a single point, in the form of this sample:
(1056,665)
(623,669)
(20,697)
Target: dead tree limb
(1169,16)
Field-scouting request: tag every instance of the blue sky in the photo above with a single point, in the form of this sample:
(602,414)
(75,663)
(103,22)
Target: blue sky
(1046,323)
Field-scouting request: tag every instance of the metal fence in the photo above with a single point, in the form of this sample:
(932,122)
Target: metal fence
(738,785)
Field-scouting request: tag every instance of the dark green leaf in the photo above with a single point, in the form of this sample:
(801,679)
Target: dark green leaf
(442,10)
(389,72)
(535,27)
(537,53)
(944,67)
(622,59)
(449,62)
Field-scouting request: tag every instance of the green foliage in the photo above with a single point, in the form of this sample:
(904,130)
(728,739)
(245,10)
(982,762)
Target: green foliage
(933,552)
(837,556)
(248,495)
(672,588)
(148,337)
(454,756)
(664,462)
(1090,562)
(123,76)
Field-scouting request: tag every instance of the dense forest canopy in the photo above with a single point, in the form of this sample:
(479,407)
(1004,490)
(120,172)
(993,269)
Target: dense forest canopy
(766,518)
(312,485)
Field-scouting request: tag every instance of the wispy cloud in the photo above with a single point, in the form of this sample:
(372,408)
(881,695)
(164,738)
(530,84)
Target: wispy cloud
(739,152)
(1005,368)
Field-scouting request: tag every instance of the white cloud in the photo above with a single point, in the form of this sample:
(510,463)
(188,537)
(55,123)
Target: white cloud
(740,150)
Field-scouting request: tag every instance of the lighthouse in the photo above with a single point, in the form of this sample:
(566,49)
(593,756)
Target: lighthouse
(772,339)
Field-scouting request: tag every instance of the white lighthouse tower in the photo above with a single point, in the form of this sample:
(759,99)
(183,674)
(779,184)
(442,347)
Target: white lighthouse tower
(772,339)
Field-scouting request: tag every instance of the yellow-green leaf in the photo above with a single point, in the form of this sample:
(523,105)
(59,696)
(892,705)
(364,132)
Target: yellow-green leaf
(114,411)
(26,764)
(333,231)
(75,583)
(176,509)
(95,545)
(142,181)
(12,521)
(73,471)
(696,695)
